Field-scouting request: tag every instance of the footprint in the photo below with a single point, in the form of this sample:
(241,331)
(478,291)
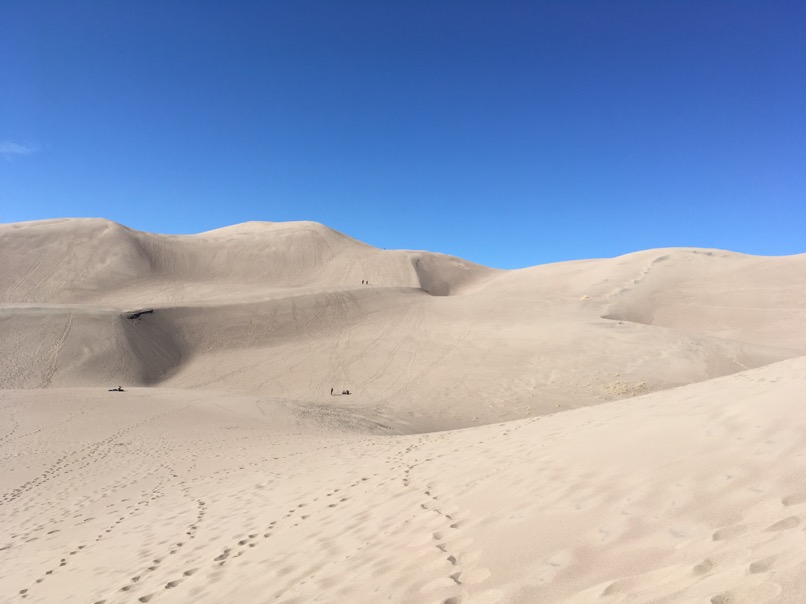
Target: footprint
(763,565)
(703,567)
(782,525)
(728,532)
(172,584)
(619,586)
(794,499)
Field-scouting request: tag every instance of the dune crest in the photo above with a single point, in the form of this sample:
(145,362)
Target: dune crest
(94,261)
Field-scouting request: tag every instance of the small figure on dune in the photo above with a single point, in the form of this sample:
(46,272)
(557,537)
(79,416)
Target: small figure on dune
(118,389)
(345,392)
(331,392)
(362,282)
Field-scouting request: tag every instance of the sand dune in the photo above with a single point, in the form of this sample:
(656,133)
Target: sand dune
(621,429)
(94,261)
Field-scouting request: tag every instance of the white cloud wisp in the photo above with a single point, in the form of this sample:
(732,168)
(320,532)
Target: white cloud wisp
(9,149)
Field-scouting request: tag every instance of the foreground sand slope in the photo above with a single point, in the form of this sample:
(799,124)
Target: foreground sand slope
(157,495)
(433,342)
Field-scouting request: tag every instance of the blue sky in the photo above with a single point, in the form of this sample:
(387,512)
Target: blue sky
(508,133)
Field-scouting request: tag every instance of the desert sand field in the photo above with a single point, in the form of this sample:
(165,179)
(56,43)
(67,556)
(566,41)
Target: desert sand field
(628,429)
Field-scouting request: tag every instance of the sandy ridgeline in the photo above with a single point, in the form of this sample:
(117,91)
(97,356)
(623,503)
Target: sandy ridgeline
(626,429)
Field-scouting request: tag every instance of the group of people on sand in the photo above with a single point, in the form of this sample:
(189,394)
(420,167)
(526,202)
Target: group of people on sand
(364,282)
(332,392)
(118,389)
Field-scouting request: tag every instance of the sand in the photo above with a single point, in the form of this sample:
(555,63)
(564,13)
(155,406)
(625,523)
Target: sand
(618,430)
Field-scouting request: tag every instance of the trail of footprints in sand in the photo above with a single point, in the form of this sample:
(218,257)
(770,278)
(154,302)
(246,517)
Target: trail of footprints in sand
(141,578)
(253,536)
(10,424)
(14,424)
(241,545)
(144,502)
(729,541)
(235,550)
(93,455)
(78,459)
(84,457)
(448,540)
(140,471)
(761,537)
(53,353)
(452,552)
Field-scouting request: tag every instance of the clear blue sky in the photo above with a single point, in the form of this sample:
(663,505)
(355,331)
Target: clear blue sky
(509,133)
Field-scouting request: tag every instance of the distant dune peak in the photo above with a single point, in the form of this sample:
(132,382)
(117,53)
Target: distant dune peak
(266,227)
(99,261)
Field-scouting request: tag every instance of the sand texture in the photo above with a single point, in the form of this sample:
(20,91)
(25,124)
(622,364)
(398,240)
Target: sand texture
(628,429)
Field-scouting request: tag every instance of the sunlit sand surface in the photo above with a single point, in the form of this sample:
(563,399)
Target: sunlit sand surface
(616,430)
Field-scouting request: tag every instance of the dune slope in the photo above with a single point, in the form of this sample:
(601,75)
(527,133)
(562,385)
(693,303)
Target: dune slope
(617,430)
(280,309)
(686,495)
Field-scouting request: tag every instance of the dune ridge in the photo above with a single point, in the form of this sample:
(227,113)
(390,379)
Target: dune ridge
(96,261)
(616,429)
(280,308)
